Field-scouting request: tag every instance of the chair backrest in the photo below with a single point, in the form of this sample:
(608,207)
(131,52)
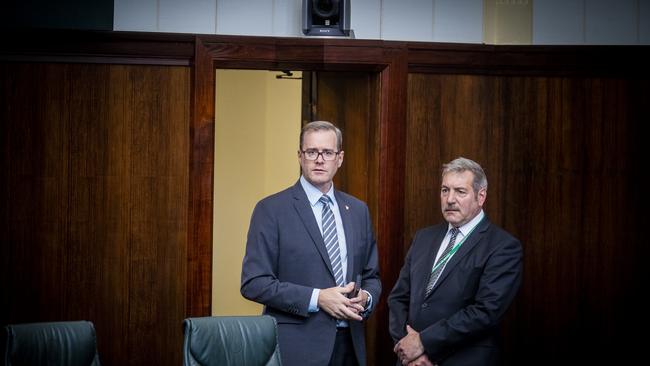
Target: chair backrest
(231,340)
(57,343)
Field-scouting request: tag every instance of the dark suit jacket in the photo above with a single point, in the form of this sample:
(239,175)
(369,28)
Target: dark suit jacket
(458,321)
(286,259)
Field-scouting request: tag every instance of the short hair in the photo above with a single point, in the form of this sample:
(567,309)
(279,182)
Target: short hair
(322,126)
(462,164)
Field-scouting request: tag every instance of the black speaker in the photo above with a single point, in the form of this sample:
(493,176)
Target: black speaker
(326,18)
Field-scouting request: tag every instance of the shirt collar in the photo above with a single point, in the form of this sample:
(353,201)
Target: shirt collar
(467,228)
(313,193)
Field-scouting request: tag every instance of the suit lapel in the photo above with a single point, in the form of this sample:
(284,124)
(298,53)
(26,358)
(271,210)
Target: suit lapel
(467,246)
(306,214)
(348,227)
(436,241)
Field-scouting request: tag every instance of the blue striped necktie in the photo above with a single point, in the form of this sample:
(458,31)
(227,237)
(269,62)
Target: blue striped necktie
(331,240)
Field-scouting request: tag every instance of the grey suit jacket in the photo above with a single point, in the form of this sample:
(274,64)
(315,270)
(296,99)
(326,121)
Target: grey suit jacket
(458,321)
(286,259)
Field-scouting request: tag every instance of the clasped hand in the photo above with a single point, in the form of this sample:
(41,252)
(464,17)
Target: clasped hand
(410,349)
(335,302)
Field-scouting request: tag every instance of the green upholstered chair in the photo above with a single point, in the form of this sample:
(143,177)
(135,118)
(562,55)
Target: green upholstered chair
(231,340)
(70,343)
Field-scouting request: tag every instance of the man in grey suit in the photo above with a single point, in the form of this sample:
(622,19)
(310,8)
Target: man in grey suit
(458,279)
(308,246)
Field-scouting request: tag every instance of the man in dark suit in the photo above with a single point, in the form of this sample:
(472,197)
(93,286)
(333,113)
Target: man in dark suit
(458,279)
(306,248)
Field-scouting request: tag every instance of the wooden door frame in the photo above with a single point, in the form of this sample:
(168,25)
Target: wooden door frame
(389,61)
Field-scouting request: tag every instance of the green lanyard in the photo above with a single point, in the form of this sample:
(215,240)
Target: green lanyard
(453,250)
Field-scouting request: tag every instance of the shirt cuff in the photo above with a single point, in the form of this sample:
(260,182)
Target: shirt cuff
(313,302)
(369,302)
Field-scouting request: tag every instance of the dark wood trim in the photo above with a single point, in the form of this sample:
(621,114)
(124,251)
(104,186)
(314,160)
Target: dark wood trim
(452,58)
(389,222)
(96,60)
(318,54)
(199,251)
(296,53)
(96,47)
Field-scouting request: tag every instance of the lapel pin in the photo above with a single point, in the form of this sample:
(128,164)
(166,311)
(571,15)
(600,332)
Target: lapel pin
(347,207)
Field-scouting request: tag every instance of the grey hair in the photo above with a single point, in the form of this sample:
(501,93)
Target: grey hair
(322,126)
(460,165)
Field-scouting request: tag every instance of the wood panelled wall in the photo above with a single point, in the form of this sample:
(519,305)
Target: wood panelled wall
(563,160)
(106,194)
(349,100)
(95,192)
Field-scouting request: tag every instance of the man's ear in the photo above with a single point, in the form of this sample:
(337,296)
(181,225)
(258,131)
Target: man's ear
(482,195)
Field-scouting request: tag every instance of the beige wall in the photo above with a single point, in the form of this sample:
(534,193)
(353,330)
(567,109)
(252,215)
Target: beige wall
(507,21)
(257,128)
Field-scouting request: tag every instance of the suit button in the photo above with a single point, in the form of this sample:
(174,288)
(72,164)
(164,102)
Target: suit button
(425,305)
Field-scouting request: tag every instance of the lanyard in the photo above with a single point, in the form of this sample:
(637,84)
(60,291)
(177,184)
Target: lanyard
(453,250)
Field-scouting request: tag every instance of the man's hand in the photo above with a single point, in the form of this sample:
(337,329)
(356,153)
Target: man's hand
(336,304)
(359,302)
(422,361)
(410,347)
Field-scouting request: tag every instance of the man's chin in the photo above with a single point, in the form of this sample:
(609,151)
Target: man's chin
(317,180)
(451,217)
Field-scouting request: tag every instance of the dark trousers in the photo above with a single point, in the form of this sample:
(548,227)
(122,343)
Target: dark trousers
(343,354)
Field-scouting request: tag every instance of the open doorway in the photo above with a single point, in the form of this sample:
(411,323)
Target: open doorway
(258,120)
(259,114)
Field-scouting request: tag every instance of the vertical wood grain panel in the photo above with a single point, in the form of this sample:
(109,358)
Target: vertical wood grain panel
(95,205)
(158,205)
(390,207)
(348,99)
(201,177)
(34,191)
(96,246)
(561,155)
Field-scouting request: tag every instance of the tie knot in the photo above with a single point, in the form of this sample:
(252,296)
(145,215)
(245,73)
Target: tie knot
(324,199)
(454,231)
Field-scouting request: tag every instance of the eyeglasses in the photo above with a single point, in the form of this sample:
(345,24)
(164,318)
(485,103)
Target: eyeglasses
(312,154)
